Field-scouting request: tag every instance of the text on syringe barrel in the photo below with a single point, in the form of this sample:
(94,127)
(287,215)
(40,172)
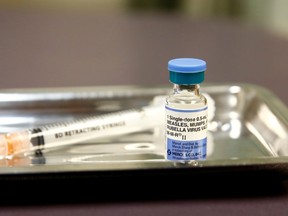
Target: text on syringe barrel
(64,133)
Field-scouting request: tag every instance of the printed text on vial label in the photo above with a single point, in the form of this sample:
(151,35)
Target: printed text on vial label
(186,134)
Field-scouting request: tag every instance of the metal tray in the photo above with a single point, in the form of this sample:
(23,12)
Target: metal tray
(249,132)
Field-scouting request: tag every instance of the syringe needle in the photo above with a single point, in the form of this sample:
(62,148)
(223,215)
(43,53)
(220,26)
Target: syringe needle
(66,133)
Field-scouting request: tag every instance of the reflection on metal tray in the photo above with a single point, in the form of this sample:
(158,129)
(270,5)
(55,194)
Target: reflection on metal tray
(249,128)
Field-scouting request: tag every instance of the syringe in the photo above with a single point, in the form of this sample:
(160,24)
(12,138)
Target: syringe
(72,132)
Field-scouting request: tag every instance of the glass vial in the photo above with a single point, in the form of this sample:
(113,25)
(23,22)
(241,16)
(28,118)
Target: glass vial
(186,111)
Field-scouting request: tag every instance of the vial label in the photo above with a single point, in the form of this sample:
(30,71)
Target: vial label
(186,133)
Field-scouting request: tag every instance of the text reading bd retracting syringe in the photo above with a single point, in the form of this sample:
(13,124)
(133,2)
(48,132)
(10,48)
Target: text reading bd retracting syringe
(71,132)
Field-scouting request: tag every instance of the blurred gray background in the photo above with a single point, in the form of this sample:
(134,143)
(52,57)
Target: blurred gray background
(66,43)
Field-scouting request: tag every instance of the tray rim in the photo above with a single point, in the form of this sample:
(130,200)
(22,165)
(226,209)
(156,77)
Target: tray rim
(275,104)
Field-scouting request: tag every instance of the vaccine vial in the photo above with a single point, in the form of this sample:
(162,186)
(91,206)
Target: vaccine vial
(186,111)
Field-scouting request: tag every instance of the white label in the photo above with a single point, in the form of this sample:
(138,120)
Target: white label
(186,133)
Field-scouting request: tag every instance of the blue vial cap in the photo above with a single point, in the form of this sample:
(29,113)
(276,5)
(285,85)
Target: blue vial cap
(186,71)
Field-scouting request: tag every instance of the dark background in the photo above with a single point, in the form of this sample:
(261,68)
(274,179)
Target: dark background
(92,43)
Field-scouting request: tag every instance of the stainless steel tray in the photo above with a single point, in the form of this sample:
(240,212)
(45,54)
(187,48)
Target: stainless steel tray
(249,130)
